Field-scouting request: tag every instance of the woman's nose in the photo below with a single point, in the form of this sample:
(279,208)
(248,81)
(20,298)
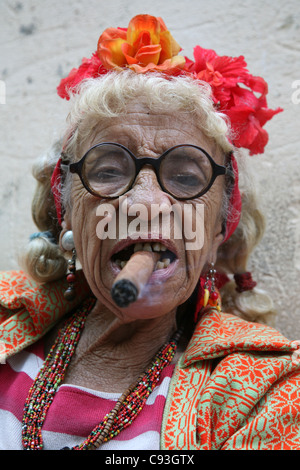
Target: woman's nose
(147,195)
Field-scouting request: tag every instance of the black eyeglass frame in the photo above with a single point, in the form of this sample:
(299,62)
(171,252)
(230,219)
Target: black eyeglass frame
(217,169)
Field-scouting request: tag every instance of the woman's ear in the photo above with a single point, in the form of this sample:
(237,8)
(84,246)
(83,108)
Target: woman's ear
(217,241)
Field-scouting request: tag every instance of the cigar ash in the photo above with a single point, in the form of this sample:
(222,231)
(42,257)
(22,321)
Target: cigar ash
(124,292)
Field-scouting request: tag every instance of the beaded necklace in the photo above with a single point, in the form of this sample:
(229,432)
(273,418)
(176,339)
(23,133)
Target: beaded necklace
(50,376)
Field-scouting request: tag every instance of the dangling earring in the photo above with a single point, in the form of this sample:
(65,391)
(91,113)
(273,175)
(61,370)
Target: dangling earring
(67,243)
(211,296)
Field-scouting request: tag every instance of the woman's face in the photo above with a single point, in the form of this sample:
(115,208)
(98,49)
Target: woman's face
(147,135)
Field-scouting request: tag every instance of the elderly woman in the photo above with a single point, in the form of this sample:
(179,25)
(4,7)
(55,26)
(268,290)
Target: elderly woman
(139,208)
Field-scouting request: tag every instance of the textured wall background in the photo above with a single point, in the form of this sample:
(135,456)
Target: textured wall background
(41,40)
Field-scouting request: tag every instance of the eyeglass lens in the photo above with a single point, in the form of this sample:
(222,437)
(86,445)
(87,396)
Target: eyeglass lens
(109,170)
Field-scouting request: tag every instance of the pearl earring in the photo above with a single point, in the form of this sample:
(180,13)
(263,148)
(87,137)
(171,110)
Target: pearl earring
(67,241)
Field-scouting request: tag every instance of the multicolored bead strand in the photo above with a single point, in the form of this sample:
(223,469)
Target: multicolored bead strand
(50,376)
(132,401)
(42,392)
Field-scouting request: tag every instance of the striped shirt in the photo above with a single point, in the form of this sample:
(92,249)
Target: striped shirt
(75,411)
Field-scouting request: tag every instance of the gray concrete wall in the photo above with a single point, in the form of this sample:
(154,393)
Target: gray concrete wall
(41,40)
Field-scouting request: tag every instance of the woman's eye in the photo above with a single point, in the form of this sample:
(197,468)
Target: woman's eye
(107,174)
(187,180)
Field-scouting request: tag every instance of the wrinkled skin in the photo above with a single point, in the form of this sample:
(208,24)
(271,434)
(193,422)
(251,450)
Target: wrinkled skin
(117,340)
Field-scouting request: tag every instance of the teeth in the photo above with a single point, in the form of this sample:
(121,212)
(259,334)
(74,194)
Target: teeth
(159,265)
(162,264)
(120,263)
(147,247)
(156,246)
(138,247)
(166,262)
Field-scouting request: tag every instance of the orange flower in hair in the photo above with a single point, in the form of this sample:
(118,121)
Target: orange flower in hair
(146,45)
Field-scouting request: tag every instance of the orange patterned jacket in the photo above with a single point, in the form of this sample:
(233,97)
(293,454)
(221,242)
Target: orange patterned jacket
(237,385)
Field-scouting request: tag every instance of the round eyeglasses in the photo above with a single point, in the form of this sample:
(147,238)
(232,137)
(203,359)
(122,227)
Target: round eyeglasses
(109,170)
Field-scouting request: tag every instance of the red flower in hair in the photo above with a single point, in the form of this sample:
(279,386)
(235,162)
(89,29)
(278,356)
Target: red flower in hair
(248,115)
(147,45)
(222,73)
(233,89)
(89,68)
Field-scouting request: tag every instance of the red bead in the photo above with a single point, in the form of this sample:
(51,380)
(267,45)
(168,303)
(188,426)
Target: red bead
(214,295)
(71,278)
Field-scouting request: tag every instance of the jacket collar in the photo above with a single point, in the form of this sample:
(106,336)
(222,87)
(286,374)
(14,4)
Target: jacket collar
(218,334)
(28,310)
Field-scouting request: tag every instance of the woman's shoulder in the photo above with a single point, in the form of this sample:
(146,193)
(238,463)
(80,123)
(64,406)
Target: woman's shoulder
(219,334)
(28,309)
(12,285)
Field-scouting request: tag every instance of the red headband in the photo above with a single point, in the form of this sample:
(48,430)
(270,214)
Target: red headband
(147,45)
(56,184)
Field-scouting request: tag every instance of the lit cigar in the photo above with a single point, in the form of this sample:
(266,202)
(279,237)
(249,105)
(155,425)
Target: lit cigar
(133,277)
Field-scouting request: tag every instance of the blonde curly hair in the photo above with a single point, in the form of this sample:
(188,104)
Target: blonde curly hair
(108,96)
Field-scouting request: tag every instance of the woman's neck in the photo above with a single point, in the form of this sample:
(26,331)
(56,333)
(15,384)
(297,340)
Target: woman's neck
(110,355)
